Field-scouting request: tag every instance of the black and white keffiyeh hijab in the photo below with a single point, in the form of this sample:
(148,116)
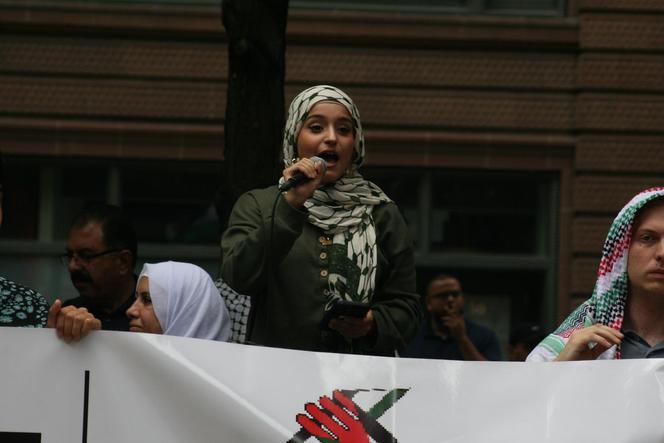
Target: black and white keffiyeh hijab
(342,209)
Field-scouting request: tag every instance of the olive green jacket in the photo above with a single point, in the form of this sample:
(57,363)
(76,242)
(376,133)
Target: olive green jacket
(289,302)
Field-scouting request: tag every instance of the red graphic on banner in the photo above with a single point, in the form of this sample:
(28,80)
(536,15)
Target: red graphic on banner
(337,418)
(348,428)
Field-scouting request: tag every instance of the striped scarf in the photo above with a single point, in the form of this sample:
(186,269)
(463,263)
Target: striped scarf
(607,303)
(342,209)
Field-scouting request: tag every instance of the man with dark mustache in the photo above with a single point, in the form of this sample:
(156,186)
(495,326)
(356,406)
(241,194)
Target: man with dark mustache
(100,257)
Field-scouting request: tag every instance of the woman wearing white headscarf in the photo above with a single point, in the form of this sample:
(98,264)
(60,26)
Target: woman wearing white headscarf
(334,237)
(179,299)
(172,298)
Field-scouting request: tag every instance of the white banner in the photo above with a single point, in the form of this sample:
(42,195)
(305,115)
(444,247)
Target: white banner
(127,387)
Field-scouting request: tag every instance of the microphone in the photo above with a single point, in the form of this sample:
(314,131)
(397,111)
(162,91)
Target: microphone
(299,178)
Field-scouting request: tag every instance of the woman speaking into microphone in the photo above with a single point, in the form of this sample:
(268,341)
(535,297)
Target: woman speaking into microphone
(328,262)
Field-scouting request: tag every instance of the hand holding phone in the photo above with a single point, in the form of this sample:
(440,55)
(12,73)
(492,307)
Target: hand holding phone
(343,308)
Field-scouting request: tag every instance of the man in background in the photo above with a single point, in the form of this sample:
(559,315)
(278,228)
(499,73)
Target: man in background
(523,339)
(100,258)
(447,334)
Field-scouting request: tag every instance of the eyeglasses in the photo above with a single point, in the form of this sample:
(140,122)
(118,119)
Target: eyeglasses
(83,257)
(447,294)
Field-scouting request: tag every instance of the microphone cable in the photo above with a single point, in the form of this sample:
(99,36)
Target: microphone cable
(268,256)
(256,301)
(271,273)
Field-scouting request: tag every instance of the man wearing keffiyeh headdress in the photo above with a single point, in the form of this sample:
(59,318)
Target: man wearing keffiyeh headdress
(624,317)
(334,237)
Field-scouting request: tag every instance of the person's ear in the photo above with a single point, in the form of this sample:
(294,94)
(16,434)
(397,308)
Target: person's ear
(125,259)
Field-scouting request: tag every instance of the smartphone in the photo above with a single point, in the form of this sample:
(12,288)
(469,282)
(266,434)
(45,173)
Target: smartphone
(346,309)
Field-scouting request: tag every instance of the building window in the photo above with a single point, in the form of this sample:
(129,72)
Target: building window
(495,231)
(475,213)
(21,200)
(72,186)
(170,202)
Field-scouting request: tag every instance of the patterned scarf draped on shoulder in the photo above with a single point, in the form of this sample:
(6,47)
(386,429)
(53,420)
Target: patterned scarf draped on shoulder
(342,209)
(607,303)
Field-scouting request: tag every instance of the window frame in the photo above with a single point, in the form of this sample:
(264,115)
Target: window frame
(472,7)
(544,260)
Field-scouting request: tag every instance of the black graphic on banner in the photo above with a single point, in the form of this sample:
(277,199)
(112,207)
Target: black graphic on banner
(20,437)
(35,437)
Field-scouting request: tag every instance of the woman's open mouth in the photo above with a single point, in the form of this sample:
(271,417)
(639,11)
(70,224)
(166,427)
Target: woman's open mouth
(329,156)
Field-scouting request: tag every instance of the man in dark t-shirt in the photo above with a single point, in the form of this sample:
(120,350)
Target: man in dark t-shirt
(100,258)
(447,335)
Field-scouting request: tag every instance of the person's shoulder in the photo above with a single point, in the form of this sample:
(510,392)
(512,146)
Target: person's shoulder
(78,302)
(5,284)
(479,329)
(224,289)
(388,206)
(260,196)
(21,306)
(261,192)
(391,225)
(388,212)
(14,289)
(9,285)
(485,339)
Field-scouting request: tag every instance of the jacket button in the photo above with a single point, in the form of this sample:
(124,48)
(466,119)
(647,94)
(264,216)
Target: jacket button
(323,255)
(323,273)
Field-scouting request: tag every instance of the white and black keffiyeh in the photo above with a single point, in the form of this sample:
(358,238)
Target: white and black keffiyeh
(342,209)
(239,307)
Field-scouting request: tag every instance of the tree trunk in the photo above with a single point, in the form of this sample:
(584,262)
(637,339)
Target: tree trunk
(256,31)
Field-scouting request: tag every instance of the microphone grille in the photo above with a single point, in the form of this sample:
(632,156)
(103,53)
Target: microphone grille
(322,162)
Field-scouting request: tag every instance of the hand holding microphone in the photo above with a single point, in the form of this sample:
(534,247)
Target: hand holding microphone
(302,179)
